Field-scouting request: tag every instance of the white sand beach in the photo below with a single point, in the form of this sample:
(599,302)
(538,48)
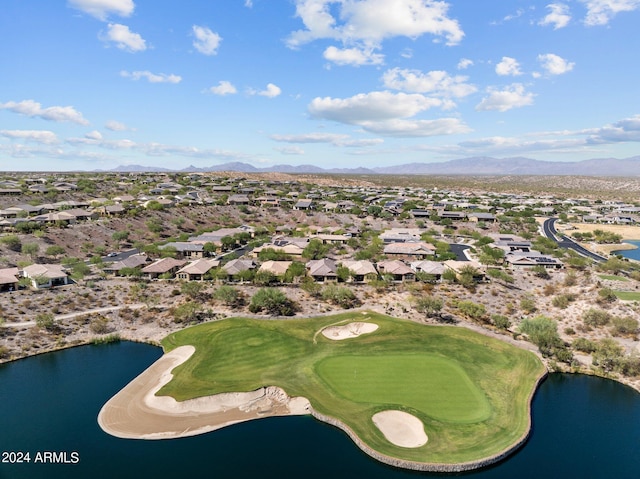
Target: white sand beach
(137,413)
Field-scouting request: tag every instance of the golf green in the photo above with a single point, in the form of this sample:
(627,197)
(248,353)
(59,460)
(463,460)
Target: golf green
(471,392)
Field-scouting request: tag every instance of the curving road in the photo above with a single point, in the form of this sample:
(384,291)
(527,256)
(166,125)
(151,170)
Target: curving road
(549,230)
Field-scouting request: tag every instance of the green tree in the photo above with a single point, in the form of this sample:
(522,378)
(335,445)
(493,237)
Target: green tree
(54,251)
(472,310)
(229,296)
(272,301)
(315,249)
(429,305)
(543,332)
(119,237)
(295,270)
(193,289)
(12,242)
(186,312)
(30,249)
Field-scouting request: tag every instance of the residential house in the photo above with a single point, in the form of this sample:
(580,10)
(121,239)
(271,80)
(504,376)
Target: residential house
(432,268)
(133,261)
(46,275)
(362,271)
(9,279)
(196,270)
(410,251)
(459,267)
(290,249)
(482,217)
(398,270)
(304,205)
(322,270)
(237,266)
(239,199)
(186,249)
(531,259)
(276,268)
(164,266)
(401,235)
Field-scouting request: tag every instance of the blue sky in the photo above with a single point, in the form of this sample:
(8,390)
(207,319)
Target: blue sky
(90,84)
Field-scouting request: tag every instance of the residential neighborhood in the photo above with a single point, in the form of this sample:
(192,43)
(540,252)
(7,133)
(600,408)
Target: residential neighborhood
(428,253)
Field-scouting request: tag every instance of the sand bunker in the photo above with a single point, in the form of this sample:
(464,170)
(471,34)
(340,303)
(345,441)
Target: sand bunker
(137,413)
(401,428)
(351,330)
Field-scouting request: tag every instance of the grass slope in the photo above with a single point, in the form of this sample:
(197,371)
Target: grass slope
(470,391)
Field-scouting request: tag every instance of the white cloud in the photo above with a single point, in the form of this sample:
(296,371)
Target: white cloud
(435,82)
(124,38)
(508,67)
(353,56)
(102,8)
(290,150)
(624,130)
(417,128)
(464,63)
(600,12)
(558,16)
(114,125)
(248,3)
(513,96)
(37,136)
(374,106)
(206,42)
(93,135)
(369,22)
(334,139)
(152,77)
(223,88)
(271,91)
(53,113)
(555,65)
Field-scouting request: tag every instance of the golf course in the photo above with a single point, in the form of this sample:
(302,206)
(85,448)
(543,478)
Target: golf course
(471,392)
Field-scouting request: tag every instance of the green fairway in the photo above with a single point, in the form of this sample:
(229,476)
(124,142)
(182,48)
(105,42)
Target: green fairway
(612,277)
(470,391)
(627,295)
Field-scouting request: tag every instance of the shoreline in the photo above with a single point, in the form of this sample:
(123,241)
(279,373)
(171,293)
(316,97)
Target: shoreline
(136,413)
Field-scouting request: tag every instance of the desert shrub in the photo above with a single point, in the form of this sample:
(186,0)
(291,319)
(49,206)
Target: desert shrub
(543,332)
(562,301)
(340,295)
(45,321)
(272,301)
(608,354)
(528,305)
(583,344)
(606,296)
(229,295)
(549,289)
(501,322)
(472,310)
(429,305)
(186,312)
(596,317)
(624,326)
(99,325)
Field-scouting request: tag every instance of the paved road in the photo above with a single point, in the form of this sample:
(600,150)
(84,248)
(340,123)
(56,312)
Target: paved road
(549,229)
(74,315)
(120,256)
(459,250)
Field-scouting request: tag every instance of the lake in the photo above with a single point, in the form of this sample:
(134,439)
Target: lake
(631,253)
(583,427)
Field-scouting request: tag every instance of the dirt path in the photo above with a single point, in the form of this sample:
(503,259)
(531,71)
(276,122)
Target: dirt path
(76,314)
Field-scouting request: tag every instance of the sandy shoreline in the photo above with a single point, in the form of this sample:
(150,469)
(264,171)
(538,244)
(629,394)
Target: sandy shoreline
(137,413)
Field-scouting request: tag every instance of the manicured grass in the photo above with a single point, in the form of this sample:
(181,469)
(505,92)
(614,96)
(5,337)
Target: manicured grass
(435,385)
(627,295)
(612,277)
(470,391)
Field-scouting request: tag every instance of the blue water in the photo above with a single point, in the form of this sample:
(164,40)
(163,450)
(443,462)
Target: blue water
(631,253)
(583,427)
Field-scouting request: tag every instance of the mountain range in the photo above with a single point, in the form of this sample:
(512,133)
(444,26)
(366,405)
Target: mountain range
(463,166)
